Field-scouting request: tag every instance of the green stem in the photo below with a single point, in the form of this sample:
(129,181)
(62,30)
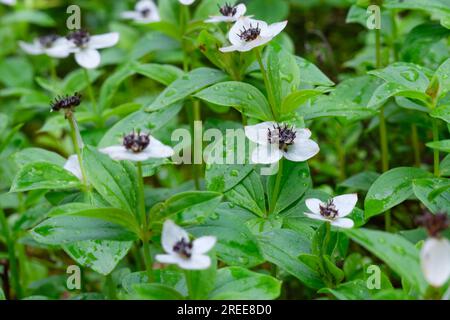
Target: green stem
(77,145)
(270,93)
(14,266)
(110,287)
(435,151)
(53,69)
(197,148)
(276,189)
(144,224)
(415,144)
(394,34)
(378,48)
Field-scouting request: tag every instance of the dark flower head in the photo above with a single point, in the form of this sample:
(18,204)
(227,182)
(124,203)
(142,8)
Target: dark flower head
(79,37)
(67,103)
(228,10)
(283,135)
(183,248)
(136,141)
(329,210)
(250,34)
(433,223)
(48,40)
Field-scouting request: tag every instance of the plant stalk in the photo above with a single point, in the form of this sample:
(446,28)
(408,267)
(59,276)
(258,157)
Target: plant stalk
(14,266)
(267,84)
(435,151)
(276,189)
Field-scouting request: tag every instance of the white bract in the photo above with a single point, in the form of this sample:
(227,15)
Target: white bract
(334,210)
(229,13)
(187,254)
(51,45)
(138,147)
(275,141)
(8,2)
(186,2)
(435,261)
(73,166)
(248,33)
(145,11)
(85,46)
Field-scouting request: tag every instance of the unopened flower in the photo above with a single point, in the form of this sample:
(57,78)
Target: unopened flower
(334,210)
(182,251)
(229,13)
(73,166)
(145,11)
(186,2)
(51,45)
(85,46)
(435,253)
(435,261)
(66,103)
(248,33)
(277,140)
(138,146)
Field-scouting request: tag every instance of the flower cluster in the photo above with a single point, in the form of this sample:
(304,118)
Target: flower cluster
(81,43)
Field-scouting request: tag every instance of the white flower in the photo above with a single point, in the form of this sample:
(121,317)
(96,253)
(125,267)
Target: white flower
(180,250)
(248,33)
(73,166)
(186,2)
(334,210)
(85,46)
(138,146)
(229,13)
(8,2)
(275,141)
(435,261)
(145,11)
(51,45)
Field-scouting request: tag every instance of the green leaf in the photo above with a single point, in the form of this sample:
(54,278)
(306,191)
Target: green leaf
(186,85)
(173,278)
(390,89)
(397,252)
(195,203)
(407,75)
(434,193)
(239,95)
(442,74)
(391,188)
(353,290)
(165,74)
(111,85)
(282,247)
(295,176)
(361,181)
(311,74)
(443,145)
(101,256)
(155,291)
(269,10)
(76,80)
(236,245)
(201,282)
(113,215)
(36,17)
(30,155)
(333,270)
(348,100)
(115,181)
(283,72)
(43,175)
(221,176)
(139,120)
(65,229)
(238,283)
(249,194)
(294,100)
(442,112)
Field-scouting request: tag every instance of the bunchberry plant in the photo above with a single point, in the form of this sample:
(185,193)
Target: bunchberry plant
(218,149)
